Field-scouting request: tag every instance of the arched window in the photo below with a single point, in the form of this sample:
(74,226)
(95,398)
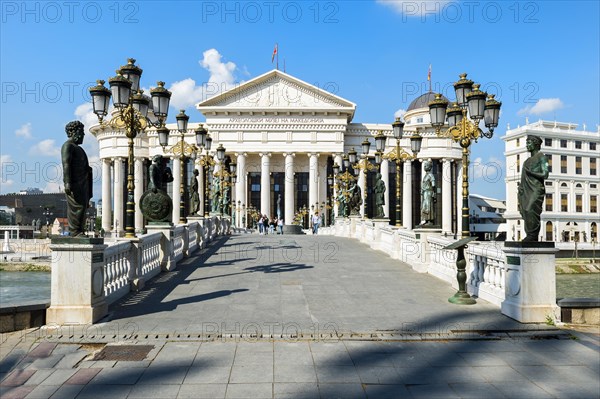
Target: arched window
(549,231)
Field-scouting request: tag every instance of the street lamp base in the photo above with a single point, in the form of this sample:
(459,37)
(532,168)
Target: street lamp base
(462,298)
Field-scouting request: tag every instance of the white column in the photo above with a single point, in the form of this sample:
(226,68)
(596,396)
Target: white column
(407,196)
(106,196)
(240,186)
(362,183)
(118,221)
(176,170)
(385,176)
(459,177)
(265,184)
(313,180)
(289,189)
(446,196)
(338,160)
(138,172)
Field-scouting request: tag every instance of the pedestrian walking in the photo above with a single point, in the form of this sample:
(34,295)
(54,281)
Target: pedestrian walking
(316,222)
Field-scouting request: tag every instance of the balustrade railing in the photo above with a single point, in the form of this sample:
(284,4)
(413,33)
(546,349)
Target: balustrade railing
(178,243)
(150,255)
(117,270)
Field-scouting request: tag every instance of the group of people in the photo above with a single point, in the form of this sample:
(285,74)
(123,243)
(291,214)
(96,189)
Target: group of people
(268,226)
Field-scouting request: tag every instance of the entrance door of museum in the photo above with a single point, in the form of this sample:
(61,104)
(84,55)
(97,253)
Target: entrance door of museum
(277,189)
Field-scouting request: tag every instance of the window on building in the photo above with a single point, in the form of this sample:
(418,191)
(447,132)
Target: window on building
(578,144)
(518,163)
(594,231)
(593,203)
(563,184)
(593,166)
(564,203)
(548,183)
(563,164)
(578,203)
(549,231)
(549,163)
(518,142)
(593,146)
(419,120)
(577,165)
(549,202)
(563,144)
(593,185)
(548,142)
(578,185)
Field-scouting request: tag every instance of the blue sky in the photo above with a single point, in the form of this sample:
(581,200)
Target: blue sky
(541,58)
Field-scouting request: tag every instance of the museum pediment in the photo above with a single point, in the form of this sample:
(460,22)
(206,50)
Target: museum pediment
(277,90)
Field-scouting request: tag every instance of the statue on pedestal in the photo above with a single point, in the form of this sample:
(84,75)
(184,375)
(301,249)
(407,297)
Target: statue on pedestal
(427,196)
(279,207)
(194,195)
(379,197)
(225,200)
(532,191)
(77,177)
(215,195)
(155,203)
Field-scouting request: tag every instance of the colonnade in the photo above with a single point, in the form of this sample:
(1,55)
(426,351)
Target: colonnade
(114,190)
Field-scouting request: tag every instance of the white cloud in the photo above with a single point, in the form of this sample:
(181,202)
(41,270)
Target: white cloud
(24,131)
(400,113)
(543,106)
(52,187)
(5,158)
(222,78)
(186,93)
(492,170)
(413,8)
(46,148)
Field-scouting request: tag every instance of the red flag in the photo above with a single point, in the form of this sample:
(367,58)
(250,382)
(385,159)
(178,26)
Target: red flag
(274,53)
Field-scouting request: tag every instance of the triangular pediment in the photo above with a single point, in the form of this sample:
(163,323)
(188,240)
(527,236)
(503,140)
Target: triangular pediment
(276,90)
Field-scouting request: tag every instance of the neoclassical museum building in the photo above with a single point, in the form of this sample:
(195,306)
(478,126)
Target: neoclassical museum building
(285,135)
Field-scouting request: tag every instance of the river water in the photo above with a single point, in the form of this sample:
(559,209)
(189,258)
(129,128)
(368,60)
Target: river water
(19,287)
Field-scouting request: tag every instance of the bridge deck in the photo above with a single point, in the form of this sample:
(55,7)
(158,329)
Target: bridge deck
(281,284)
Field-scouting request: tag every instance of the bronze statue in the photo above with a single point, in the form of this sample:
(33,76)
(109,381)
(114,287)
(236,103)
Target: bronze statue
(155,203)
(532,191)
(379,196)
(342,202)
(77,177)
(225,200)
(194,195)
(355,199)
(427,195)
(215,195)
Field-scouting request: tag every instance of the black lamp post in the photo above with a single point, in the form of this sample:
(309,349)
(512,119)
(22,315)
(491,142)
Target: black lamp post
(471,102)
(132,115)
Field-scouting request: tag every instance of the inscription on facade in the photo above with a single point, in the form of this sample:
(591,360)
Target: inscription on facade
(257,119)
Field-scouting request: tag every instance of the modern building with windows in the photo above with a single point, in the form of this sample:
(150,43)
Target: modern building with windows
(570,211)
(285,135)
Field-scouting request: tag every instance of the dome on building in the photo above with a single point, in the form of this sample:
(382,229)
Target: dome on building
(422,101)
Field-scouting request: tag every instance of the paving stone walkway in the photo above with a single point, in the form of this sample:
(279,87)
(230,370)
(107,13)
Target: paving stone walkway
(298,317)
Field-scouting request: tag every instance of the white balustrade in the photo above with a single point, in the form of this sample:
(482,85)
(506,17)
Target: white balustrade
(178,243)
(150,255)
(193,240)
(117,269)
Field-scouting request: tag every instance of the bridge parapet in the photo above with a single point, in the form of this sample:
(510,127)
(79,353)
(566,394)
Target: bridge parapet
(88,275)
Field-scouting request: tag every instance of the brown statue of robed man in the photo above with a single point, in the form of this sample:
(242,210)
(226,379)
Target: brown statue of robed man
(77,177)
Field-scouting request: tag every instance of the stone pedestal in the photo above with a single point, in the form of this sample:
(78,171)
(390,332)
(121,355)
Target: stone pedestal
(378,224)
(77,281)
(530,282)
(354,220)
(424,253)
(168,262)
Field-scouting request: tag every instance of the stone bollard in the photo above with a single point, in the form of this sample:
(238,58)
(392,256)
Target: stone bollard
(530,282)
(77,281)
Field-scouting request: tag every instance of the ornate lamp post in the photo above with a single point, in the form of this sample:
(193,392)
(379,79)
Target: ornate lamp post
(470,101)
(364,164)
(342,181)
(131,114)
(47,213)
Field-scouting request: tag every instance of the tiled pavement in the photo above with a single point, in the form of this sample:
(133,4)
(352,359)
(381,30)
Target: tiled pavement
(408,343)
